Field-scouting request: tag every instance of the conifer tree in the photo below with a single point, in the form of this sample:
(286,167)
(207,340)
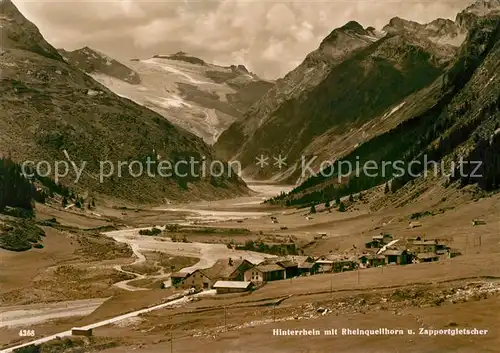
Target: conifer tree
(15,189)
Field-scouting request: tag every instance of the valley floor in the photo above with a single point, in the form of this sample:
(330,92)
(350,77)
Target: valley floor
(463,292)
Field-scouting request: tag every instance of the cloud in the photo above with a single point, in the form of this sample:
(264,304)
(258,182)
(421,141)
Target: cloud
(268,37)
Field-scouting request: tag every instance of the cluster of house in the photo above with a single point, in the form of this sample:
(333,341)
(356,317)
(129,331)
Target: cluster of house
(383,250)
(239,275)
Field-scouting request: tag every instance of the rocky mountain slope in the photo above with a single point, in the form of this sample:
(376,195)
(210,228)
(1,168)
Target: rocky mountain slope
(200,97)
(340,44)
(468,17)
(455,121)
(323,120)
(51,111)
(441,31)
(94,62)
(363,94)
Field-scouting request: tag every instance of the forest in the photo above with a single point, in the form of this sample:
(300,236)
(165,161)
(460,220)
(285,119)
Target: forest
(15,189)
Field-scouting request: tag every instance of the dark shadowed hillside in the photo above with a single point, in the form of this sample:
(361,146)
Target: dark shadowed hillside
(52,111)
(357,90)
(359,84)
(458,119)
(335,48)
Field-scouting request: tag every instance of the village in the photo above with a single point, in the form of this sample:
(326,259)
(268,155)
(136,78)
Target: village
(233,275)
(204,280)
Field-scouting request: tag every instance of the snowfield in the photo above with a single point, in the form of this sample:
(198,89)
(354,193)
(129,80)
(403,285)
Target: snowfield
(192,96)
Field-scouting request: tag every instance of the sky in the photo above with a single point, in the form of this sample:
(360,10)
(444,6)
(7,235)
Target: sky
(269,37)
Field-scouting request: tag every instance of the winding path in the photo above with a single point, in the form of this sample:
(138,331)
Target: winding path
(125,284)
(207,253)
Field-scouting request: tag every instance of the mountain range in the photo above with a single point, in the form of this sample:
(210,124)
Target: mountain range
(197,96)
(358,84)
(51,111)
(454,119)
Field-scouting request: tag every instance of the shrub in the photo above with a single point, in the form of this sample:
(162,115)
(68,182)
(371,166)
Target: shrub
(19,235)
(151,232)
(28,349)
(172,227)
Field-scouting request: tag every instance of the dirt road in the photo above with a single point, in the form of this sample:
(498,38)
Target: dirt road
(207,253)
(181,300)
(125,284)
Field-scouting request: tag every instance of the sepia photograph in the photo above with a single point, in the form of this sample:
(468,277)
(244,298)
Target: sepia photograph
(249,176)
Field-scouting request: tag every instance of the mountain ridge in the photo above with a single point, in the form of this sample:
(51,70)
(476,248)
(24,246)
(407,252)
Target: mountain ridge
(19,33)
(338,45)
(456,119)
(92,61)
(191,93)
(437,42)
(52,111)
(398,56)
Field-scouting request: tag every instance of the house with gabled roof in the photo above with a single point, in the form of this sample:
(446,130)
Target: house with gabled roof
(265,273)
(197,279)
(228,269)
(372,260)
(424,246)
(295,265)
(178,277)
(396,256)
(379,241)
(427,257)
(324,265)
(291,268)
(307,268)
(337,263)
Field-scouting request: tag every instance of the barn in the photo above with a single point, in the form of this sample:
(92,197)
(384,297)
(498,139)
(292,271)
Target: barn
(223,287)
